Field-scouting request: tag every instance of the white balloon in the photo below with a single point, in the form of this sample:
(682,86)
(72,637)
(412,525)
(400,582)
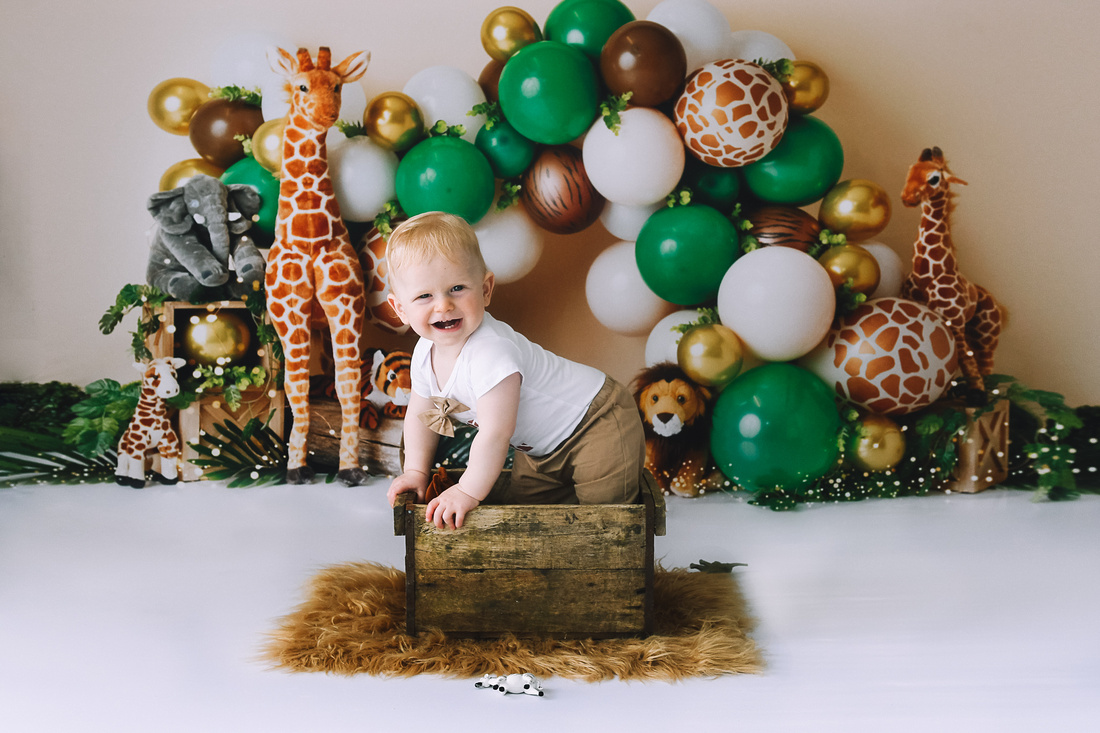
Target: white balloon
(639,166)
(753,45)
(447,93)
(663,339)
(242,61)
(625,221)
(618,296)
(702,29)
(510,242)
(892,270)
(363,176)
(779,301)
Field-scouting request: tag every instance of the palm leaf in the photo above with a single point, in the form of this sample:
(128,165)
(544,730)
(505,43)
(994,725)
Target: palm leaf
(27,457)
(254,456)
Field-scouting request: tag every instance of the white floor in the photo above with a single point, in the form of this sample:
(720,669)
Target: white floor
(125,610)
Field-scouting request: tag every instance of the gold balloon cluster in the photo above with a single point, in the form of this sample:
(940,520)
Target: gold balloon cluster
(852,265)
(507,30)
(179,173)
(267,144)
(807,87)
(859,209)
(216,339)
(711,354)
(878,444)
(173,102)
(394,121)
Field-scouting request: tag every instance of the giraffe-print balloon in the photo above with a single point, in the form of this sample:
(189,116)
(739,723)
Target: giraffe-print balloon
(889,355)
(731,113)
(372,258)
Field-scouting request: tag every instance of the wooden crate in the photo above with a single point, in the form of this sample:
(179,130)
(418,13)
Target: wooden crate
(201,416)
(557,571)
(983,452)
(379,449)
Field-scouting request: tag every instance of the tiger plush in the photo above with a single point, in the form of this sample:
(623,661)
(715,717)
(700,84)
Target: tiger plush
(386,389)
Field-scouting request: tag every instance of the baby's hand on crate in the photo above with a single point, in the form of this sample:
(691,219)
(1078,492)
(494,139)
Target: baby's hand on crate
(450,508)
(415,482)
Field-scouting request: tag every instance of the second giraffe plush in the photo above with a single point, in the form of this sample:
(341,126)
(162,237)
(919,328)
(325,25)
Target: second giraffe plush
(312,258)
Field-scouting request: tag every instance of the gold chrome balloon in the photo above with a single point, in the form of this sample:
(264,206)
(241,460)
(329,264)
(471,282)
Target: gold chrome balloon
(173,102)
(878,444)
(859,209)
(710,354)
(852,264)
(507,30)
(216,339)
(394,121)
(807,87)
(183,171)
(267,144)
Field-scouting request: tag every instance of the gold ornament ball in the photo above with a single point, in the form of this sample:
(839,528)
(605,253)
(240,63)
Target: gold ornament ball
(173,102)
(807,87)
(878,445)
(216,339)
(710,355)
(507,30)
(859,209)
(394,121)
(852,264)
(183,171)
(267,144)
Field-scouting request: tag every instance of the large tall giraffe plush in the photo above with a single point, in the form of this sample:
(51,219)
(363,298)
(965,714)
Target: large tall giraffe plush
(312,258)
(971,313)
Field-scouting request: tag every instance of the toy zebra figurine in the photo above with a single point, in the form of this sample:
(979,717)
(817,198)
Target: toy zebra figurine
(150,430)
(526,683)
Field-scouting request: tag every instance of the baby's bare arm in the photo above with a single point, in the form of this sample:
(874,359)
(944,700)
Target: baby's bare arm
(420,445)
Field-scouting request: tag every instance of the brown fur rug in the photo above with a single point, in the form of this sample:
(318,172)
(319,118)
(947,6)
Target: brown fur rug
(354,622)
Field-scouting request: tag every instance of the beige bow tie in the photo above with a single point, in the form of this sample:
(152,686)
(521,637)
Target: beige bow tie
(438,419)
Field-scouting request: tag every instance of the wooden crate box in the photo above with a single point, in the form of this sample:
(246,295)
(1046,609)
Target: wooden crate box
(983,451)
(201,416)
(560,571)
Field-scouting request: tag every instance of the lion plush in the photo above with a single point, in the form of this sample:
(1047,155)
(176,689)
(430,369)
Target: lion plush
(674,412)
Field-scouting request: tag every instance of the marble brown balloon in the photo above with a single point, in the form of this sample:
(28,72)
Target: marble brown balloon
(783,226)
(557,193)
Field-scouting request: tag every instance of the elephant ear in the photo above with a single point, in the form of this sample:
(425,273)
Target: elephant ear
(170,211)
(243,203)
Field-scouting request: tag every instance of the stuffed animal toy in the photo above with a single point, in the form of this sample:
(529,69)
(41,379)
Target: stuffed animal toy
(675,415)
(200,250)
(526,684)
(150,430)
(387,387)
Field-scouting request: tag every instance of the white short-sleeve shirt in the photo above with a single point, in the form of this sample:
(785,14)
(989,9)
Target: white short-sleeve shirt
(554,395)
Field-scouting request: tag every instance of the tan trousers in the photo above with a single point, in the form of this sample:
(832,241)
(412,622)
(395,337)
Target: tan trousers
(602,462)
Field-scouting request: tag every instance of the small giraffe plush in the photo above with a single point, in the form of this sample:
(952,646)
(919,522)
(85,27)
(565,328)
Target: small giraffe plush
(312,258)
(973,316)
(149,430)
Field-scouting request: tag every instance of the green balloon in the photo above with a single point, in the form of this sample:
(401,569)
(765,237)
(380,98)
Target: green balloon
(802,168)
(249,172)
(548,92)
(586,24)
(683,253)
(445,174)
(508,152)
(710,185)
(775,426)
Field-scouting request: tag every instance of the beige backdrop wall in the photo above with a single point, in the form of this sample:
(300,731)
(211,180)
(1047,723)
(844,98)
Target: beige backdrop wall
(1005,88)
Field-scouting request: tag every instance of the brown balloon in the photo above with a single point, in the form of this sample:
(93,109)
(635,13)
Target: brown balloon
(557,193)
(783,226)
(489,80)
(215,125)
(646,59)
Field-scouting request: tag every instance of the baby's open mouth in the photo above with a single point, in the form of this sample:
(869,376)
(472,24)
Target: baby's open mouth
(447,325)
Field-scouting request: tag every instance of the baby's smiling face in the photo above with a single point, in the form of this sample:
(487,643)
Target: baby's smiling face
(441,300)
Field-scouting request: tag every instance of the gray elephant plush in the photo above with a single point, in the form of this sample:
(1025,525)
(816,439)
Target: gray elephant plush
(200,251)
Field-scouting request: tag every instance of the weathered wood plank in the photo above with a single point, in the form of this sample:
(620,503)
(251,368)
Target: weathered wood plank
(575,603)
(523,536)
(379,449)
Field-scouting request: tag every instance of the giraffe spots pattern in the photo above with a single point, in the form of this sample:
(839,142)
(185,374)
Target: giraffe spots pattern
(376,274)
(731,113)
(890,355)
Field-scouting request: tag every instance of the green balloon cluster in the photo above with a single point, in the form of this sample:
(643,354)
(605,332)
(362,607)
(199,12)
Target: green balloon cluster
(445,174)
(802,168)
(586,24)
(549,92)
(684,252)
(775,426)
(508,152)
(251,173)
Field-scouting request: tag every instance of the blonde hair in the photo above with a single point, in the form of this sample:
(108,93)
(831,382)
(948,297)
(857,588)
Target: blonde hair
(434,234)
